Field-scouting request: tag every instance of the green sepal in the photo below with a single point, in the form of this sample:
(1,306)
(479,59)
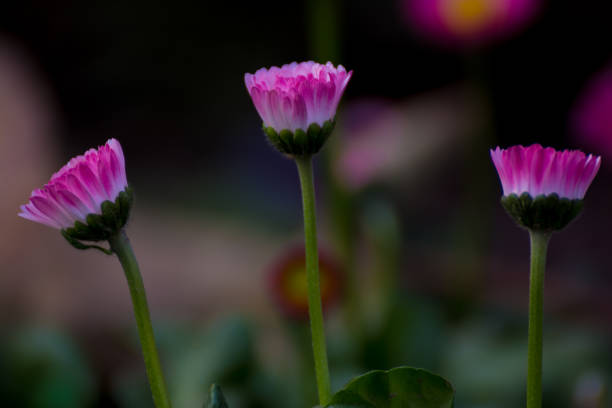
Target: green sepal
(398,387)
(100,227)
(274,139)
(216,398)
(286,136)
(328,128)
(79,245)
(125,201)
(300,139)
(545,213)
(94,227)
(301,142)
(314,136)
(110,215)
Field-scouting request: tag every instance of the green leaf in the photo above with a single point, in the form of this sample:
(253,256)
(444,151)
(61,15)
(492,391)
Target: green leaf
(216,398)
(401,387)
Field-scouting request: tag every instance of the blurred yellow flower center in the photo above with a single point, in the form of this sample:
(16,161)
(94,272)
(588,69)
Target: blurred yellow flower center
(467,16)
(295,285)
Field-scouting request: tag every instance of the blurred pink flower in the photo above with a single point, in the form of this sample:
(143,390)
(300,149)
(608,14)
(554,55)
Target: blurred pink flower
(591,119)
(542,171)
(395,142)
(375,132)
(79,188)
(468,23)
(295,96)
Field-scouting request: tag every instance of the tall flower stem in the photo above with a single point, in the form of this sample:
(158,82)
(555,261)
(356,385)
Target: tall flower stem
(539,245)
(120,245)
(315,310)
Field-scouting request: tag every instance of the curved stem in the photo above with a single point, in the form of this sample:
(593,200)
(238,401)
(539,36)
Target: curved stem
(120,245)
(315,310)
(539,245)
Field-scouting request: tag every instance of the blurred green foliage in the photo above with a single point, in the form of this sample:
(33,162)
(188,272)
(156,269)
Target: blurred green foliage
(43,368)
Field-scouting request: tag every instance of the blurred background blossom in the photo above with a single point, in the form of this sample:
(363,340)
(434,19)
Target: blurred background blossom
(591,119)
(468,23)
(384,141)
(288,282)
(433,269)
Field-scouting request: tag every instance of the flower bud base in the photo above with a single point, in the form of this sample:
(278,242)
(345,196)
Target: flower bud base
(300,143)
(544,213)
(100,227)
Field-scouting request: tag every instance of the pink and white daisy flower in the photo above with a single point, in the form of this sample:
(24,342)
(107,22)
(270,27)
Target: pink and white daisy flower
(79,188)
(544,188)
(542,171)
(295,96)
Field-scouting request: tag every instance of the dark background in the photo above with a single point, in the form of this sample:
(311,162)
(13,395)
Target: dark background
(216,205)
(170,73)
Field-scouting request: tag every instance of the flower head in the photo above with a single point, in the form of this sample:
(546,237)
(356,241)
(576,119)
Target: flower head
(88,198)
(289,286)
(537,170)
(592,116)
(543,188)
(468,23)
(297,103)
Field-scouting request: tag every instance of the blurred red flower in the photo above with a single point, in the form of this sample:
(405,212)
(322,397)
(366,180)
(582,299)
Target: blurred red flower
(289,287)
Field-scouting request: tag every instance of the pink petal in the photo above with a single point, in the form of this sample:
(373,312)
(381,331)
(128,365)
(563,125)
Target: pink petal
(537,170)
(79,187)
(297,95)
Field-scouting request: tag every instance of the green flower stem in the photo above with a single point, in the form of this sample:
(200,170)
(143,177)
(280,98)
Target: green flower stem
(120,245)
(539,245)
(315,309)
(324,27)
